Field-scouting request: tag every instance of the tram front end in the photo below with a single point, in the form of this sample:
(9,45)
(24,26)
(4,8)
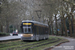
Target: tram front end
(26,31)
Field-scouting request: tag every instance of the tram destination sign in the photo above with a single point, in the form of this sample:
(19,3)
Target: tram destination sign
(27,23)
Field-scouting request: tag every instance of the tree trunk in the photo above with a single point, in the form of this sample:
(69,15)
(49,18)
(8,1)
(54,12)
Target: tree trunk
(65,27)
(62,27)
(56,25)
(52,27)
(7,27)
(49,27)
(73,19)
(74,27)
(13,28)
(1,28)
(70,26)
(49,30)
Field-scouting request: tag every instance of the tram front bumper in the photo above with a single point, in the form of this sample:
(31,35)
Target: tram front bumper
(26,38)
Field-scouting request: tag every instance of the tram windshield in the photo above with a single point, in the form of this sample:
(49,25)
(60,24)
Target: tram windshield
(27,29)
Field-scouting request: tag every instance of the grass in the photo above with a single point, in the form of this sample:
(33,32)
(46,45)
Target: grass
(46,46)
(20,45)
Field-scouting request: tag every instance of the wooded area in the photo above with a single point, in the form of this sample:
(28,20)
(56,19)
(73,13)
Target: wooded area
(58,14)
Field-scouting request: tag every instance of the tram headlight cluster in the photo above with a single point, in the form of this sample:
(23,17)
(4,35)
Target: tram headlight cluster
(21,35)
(31,34)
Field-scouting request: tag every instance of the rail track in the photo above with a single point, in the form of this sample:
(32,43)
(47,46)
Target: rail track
(42,44)
(20,45)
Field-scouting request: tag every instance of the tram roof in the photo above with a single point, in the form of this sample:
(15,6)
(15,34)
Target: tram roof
(34,22)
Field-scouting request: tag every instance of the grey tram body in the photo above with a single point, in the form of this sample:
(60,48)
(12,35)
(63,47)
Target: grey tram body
(34,32)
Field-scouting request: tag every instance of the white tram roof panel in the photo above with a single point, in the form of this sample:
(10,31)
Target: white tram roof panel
(34,22)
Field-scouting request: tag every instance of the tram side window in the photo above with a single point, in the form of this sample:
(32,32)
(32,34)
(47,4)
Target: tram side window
(40,30)
(34,29)
(43,30)
(37,30)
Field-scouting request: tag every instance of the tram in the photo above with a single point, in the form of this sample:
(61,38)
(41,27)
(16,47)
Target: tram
(33,30)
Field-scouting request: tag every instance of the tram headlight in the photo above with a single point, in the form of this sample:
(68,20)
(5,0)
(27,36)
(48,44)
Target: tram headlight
(31,34)
(21,35)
